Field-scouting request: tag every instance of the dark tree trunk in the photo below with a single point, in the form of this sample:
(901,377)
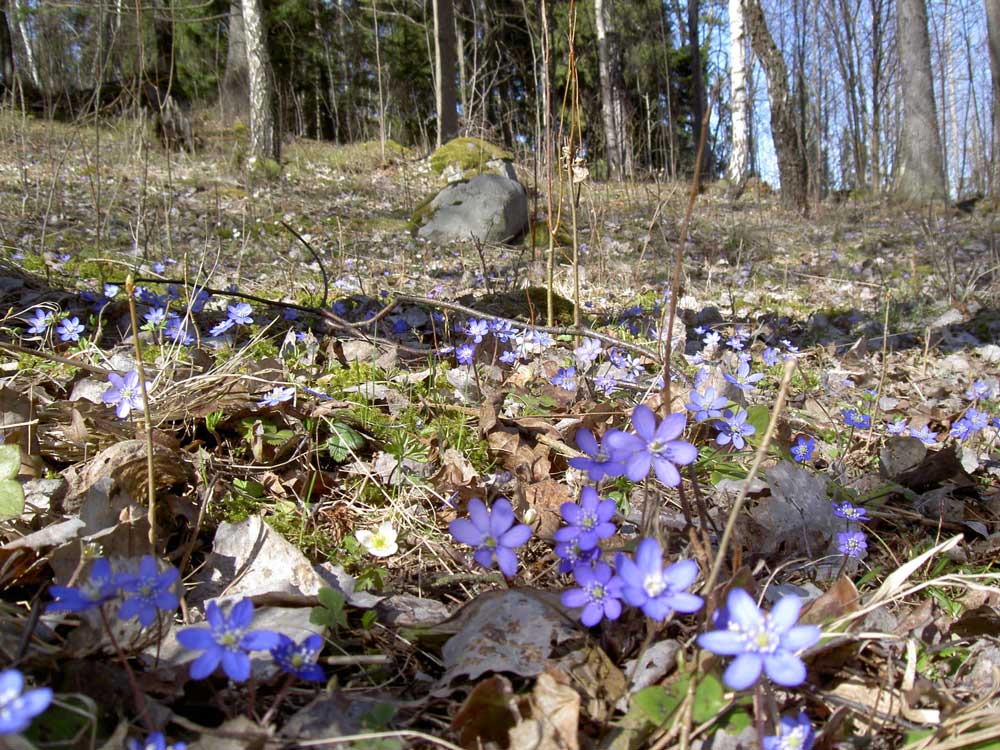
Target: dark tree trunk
(236,79)
(6,53)
(444,66)
(793,168)
(697,80)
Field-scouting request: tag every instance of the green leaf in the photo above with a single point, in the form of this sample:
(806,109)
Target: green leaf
(658,702)
(709,699)
(342,441)
(330,614)
(249,488)
(11,498)
(10,461)
(368,619)
(758,416)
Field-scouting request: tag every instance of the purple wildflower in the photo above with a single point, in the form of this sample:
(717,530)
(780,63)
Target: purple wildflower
(653,445)
(599,594)
(493,533)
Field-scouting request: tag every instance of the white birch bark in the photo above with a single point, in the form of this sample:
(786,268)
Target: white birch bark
(740,158)
(262,138)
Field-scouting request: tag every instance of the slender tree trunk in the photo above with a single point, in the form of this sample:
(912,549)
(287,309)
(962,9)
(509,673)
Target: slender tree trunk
(444,68)
(793,168)
(18,17)
(7,69)
(236,79)
(617,143)
(699,102)
(740,158)
(263,141)
(921,173)
(993,30)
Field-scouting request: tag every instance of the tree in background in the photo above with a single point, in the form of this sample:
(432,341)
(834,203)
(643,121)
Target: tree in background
(235,97)
(793,168)
(444,69)
(921,171)
(993,30)
(739,158)
(264,143)
(617,143)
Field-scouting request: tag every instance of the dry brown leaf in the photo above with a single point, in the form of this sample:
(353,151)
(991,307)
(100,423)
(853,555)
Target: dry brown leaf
(551,716)
(545,498)
(486,715)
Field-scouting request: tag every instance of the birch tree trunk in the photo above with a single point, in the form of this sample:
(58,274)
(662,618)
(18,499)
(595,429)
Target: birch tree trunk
(263,143)
(740,158)
(618,148)
(993,31)
(793,169)
(17,15)
(921,172)
(444,68)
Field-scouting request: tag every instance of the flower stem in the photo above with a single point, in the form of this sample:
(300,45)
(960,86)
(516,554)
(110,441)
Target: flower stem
(137,694)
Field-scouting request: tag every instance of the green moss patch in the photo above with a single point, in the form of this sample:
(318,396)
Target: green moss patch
(467,153)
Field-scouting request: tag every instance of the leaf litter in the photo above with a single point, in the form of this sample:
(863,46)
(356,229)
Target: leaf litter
(263,500)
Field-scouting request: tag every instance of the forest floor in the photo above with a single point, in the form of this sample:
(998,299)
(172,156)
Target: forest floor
(312,452)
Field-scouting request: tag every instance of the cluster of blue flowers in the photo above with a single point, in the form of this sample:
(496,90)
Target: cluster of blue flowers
(146,592)
(852,542)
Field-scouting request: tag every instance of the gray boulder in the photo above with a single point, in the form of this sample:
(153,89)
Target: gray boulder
(489,208)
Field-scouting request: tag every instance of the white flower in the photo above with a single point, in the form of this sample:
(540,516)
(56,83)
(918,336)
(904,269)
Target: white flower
(379,543)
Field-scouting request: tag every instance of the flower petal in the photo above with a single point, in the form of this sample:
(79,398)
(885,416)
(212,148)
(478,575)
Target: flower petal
(241,614)
(587,443)
(507,561)
(479,515)
(592,614)
(574,598)
(637,465)
(800,637)
(743,672)
(501,517)
(571,513)
(686,603)
(205,664)
(681,452)
(681,574)
(644,422)
(465,532)
(722,642)
(259,640)
(516,536)
(671,426)
(666,472)
(657,608)
(785,613)
(484,556)
(649,556)
(197,639)
(743,610)
(785,668)
(236,665)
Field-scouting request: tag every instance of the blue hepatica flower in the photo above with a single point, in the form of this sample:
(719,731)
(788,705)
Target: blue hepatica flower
(658,591)
(493,533)
(962,430)
(599,593)
(589,522)
(743,379)
(733,428)
(155,318)
(240,313)
(149,592)
(477,329)
(588,351)
(653,445)
(299,659)
(40,322)
(978,420)
(707,406)
(465,353)
(711,339)
(761,641)
(853,418)
(924,435)
(769,356)
(278,395)
(155,741)
(70,329)
(226,640)
(852,543)
(849,512)
(598,462)
(899,427)
(802,449)
(17,706)
(565,378)
(100,588)
(571,555)
(502,330)
(793,734)
(979,390)
(124,393)
(221,327)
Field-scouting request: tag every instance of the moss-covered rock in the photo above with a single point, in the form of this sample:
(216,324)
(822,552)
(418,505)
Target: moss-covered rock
(469,155)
